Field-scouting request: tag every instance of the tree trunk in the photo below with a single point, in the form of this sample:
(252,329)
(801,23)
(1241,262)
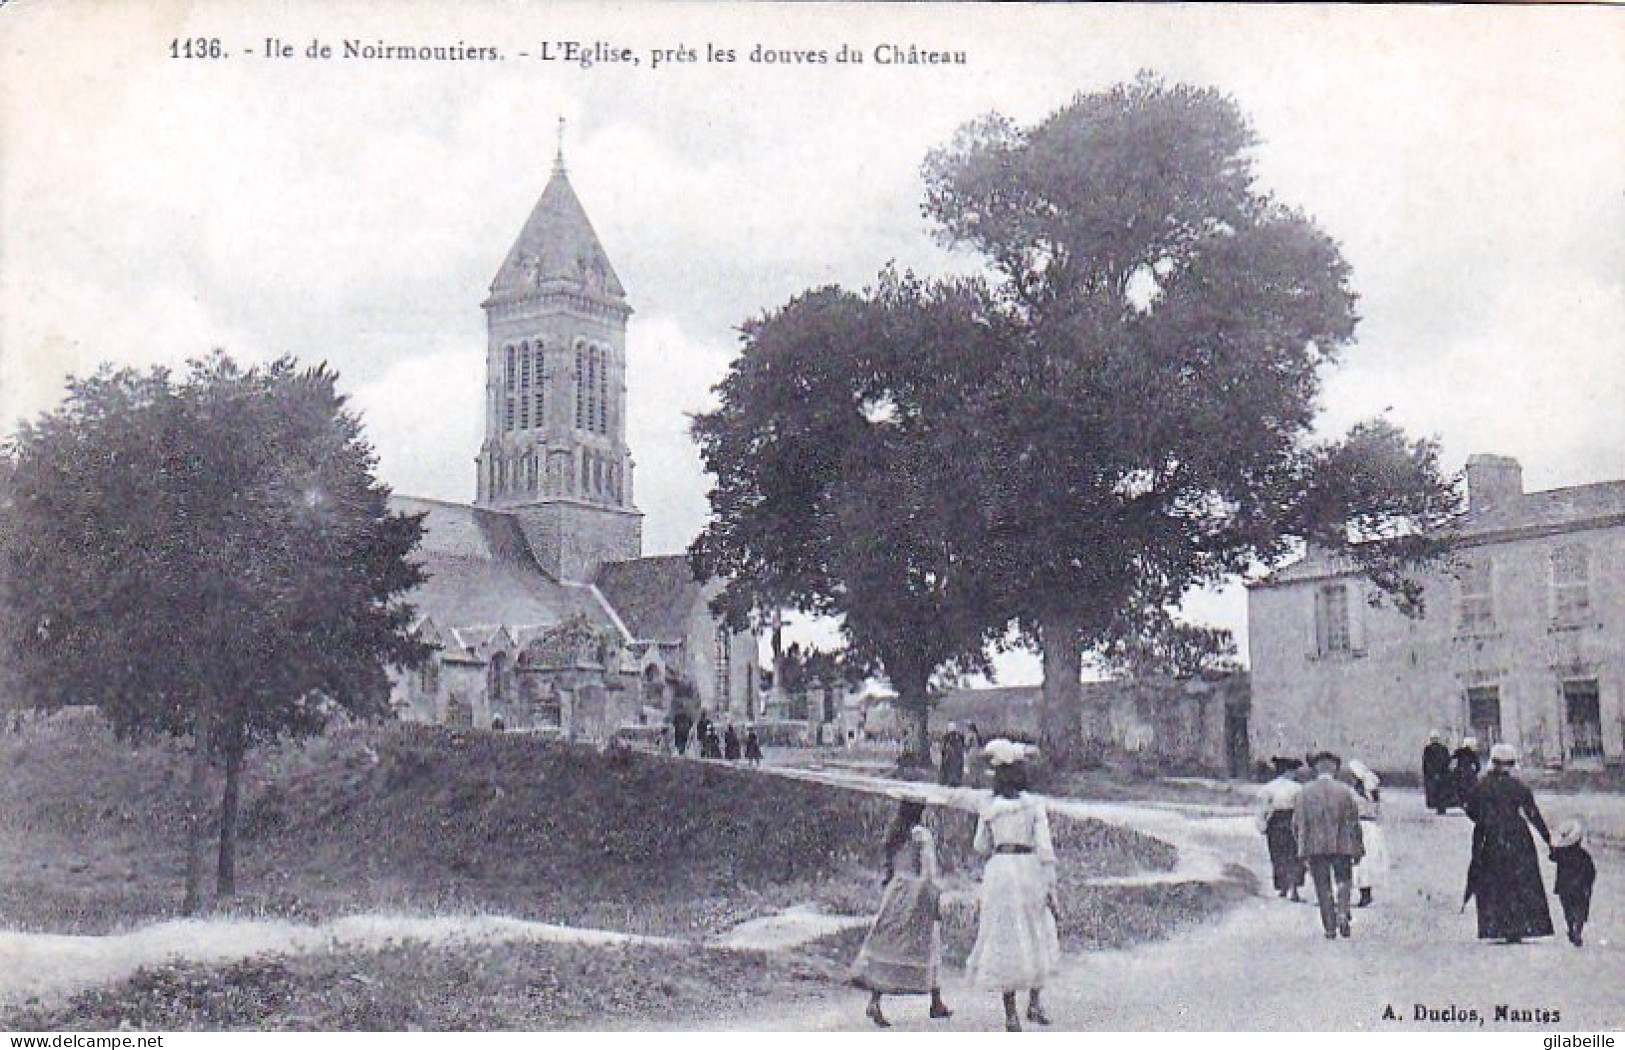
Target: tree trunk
(1060,715)
(922,734)
(225,884)
(199,805)
(913,699)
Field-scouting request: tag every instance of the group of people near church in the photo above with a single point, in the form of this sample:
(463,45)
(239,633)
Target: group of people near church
(727,745)
(1323,816)
(1018,944)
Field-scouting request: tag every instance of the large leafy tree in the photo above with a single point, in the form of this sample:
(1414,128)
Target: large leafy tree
(837,451)
(1151,429)
(207,556)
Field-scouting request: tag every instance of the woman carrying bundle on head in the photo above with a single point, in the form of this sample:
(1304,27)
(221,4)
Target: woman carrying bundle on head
(1017,943)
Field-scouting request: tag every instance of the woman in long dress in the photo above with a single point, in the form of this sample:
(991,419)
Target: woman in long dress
(1276,800)
(902,955)
(973,756)
(1504,873)
(1017,944)
(1372,870)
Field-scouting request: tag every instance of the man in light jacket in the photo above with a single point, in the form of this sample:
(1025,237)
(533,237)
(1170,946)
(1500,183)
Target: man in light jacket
(1326,821)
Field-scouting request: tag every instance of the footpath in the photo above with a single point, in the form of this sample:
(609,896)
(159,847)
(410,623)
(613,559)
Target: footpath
(1413,963)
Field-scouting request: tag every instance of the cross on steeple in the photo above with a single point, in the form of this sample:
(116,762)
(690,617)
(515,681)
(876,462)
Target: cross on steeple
(558,158)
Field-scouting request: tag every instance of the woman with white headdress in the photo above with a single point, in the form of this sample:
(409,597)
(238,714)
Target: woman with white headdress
(1504,872)
(1017,944)
(1372,869)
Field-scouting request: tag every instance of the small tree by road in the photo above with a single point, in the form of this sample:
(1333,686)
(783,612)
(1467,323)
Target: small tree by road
(208,556)
(836,452)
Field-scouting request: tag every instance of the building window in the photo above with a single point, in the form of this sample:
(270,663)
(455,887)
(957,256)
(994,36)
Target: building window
(524,386)
(498,680)
(1582,710)
(592,388)
(1484,715)
(603,393)
(510,379)
(429,677)
(546,710)
(581,386)
(539,393)
(1476,608)
(1571,585)
(1332,619)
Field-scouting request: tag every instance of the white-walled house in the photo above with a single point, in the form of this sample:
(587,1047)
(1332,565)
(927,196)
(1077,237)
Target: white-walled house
(1522,640)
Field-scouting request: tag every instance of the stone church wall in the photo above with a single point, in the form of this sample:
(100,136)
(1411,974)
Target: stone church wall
(571,540)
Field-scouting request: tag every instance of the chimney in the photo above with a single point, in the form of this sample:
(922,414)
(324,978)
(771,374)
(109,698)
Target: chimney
(1492,481)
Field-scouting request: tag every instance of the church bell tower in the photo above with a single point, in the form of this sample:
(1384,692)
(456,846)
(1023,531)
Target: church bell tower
(555,450)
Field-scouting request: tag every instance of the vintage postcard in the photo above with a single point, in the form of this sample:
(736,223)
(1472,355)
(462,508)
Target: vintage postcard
(812,517)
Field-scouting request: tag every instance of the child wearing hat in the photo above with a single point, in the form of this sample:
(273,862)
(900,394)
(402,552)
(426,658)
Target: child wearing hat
(1575,874)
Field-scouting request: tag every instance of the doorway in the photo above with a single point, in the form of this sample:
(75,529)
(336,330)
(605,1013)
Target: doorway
(1237,751)
(1582,710)
(1484,715)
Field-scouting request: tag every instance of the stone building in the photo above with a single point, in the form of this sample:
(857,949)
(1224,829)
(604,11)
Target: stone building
(542,609)
(1523,638)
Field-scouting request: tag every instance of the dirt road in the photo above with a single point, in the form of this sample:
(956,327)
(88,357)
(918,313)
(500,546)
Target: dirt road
(1266,966)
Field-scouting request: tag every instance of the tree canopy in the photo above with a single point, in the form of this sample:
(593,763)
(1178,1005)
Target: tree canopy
(836,451)
(1151,428)
(209,555)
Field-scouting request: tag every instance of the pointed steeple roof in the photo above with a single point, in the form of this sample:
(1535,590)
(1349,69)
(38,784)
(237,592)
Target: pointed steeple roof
(557,248)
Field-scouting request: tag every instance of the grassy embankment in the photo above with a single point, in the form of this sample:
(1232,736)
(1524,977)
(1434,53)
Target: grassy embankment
(414,819)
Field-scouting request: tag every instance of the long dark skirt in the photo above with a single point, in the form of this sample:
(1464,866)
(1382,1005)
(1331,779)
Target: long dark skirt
(1440,788)
(903,952)
(1285,864)
(1505,879)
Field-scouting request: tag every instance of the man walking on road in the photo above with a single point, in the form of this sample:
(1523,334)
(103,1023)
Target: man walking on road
(1326,821)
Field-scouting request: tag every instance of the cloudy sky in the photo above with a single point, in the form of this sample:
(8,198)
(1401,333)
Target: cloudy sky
(1471,161)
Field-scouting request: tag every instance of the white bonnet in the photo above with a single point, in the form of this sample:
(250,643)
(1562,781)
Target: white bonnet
(1002,752)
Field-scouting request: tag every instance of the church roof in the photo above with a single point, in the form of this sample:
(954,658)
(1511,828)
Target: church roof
(557,247)
(481,572)
(653,596)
